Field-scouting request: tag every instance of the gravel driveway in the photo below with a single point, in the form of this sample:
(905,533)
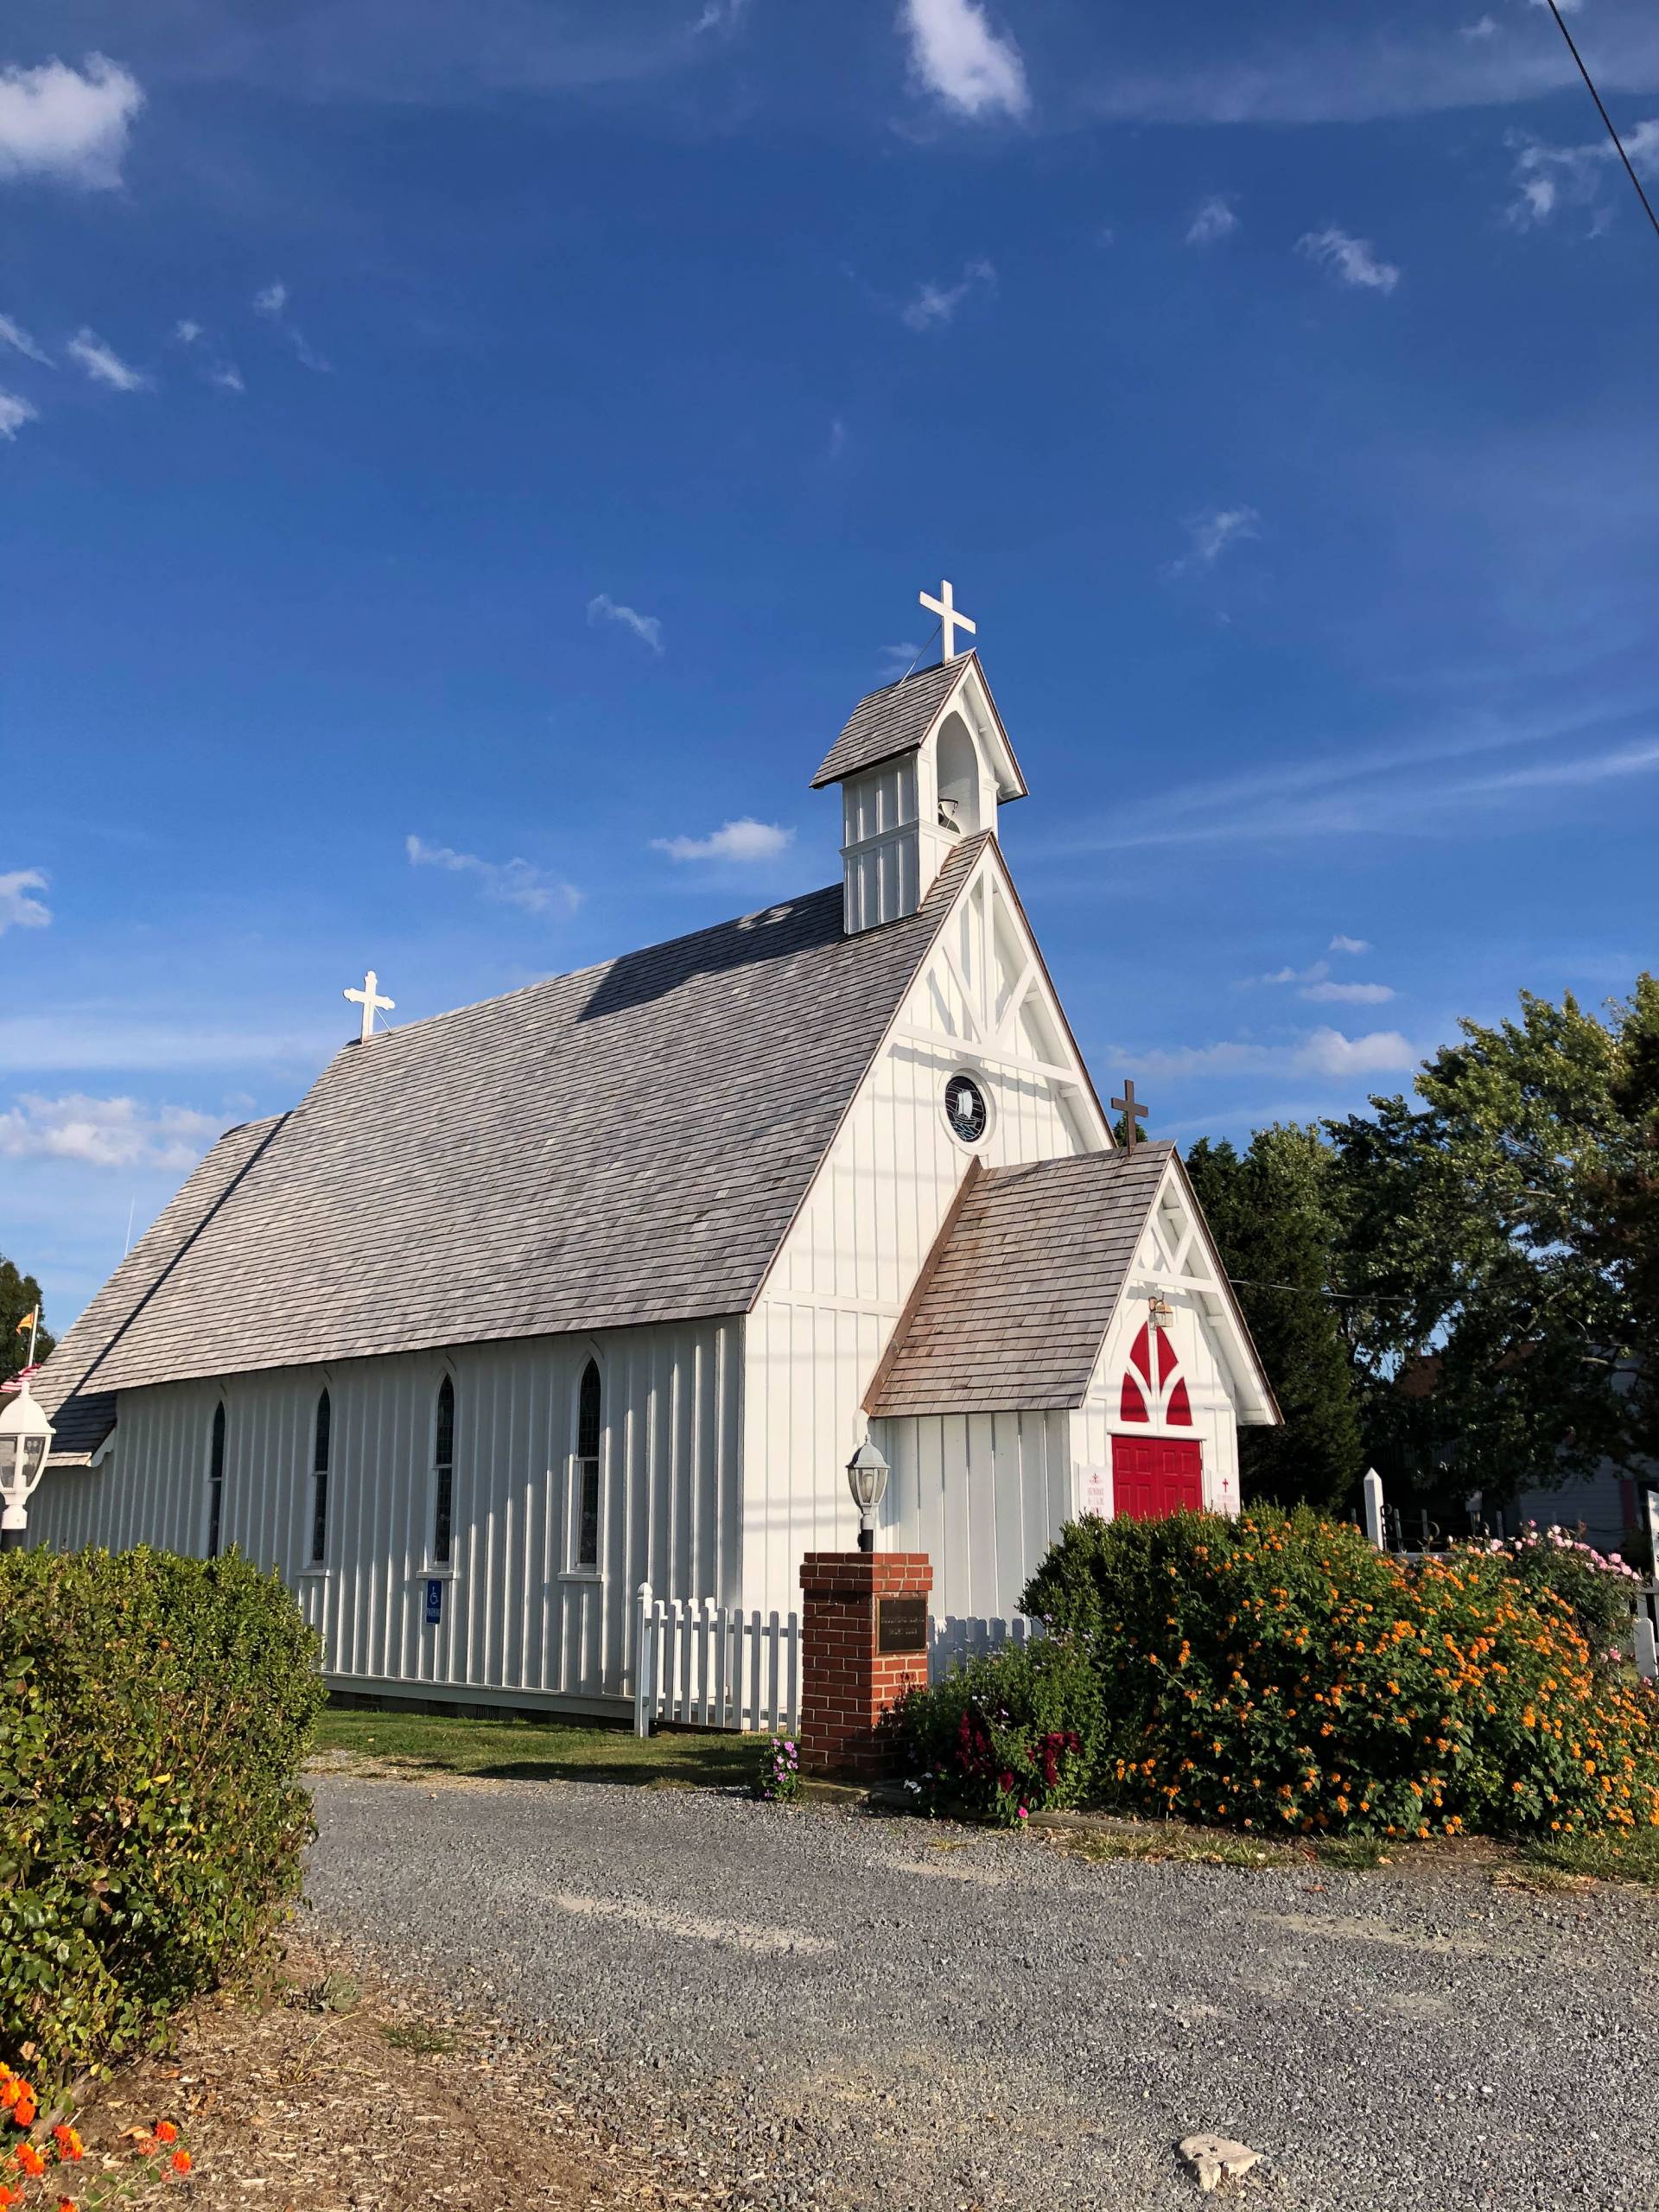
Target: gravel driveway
(845,2010)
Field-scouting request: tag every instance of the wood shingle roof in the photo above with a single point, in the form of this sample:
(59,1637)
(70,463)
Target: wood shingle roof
(1021,1288)
(626,1144)
(891,722)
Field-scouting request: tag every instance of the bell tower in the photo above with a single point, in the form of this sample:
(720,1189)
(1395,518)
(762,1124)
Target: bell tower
(922,764)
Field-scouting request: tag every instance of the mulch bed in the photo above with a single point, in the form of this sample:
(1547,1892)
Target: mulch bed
(316,2087)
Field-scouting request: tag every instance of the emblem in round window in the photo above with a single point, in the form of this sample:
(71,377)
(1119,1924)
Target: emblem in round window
(965,1108)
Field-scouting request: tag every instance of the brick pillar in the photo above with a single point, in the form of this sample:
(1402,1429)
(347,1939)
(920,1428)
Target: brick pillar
(847,1680)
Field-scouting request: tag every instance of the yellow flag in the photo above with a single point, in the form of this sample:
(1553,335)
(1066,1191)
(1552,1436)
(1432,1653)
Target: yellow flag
(28,1322)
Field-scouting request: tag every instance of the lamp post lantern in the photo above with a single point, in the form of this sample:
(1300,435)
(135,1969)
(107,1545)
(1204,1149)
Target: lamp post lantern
(25,1441)
(867,1478)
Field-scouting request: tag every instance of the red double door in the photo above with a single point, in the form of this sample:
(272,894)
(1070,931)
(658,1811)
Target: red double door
(1153,1476)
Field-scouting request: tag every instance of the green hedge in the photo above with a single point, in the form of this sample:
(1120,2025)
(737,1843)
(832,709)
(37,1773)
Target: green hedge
(1275,1673)
(153,1712)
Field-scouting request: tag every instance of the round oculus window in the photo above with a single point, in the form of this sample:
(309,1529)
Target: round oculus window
(965,1108)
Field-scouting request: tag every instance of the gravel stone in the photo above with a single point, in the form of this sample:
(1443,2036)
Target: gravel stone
(824,2010)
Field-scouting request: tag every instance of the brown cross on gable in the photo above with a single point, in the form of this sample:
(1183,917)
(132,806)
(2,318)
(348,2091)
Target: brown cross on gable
(1130,1107)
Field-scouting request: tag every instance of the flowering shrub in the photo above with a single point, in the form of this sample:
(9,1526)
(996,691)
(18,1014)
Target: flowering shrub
(153,1712)
(1004,1737)
(38,2165)
(1598,1587)
(777,1779)
(1275,1673)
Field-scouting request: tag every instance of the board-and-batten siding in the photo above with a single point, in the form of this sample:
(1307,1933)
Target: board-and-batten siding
(516,1621)
(984,1495)
(840,1281)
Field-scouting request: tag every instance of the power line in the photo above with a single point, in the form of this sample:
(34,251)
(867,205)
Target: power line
(1560,24)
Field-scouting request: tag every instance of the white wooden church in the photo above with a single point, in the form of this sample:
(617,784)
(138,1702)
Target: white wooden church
(604,1280)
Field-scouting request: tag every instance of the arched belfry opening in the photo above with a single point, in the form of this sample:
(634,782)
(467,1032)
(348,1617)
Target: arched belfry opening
(957,774)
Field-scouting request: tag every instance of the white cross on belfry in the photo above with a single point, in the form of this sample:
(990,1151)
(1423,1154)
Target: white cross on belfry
(950,621)
(369,999)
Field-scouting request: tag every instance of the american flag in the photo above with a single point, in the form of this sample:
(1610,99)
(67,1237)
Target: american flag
(16,1381)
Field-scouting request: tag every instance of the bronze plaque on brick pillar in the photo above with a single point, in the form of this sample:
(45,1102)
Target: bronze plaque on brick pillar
(902,1625)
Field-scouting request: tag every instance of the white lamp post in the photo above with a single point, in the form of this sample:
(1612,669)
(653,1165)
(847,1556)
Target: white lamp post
(25,1440)
(867,1478)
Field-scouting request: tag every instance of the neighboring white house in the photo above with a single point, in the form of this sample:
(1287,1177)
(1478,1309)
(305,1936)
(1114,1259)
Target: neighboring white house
(604,1280)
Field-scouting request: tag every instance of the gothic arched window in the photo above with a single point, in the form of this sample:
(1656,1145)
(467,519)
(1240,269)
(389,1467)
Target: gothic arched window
(320,1443)
(589,1421)
(216,1482)
(443,1475)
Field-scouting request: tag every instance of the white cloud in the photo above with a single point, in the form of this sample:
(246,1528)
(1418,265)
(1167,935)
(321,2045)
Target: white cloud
(1340,943)
(106,1132)
(1324,992)
(226,378)
(1363,791)
(1317,1051)
(512,883)
(14,413)
(272,303)
(1484,26)
(19,908)
(1334,64)
(936,304)
(108,1035)
(1352,261)
(13,334)
(723,15)
(103,364)
(957,56)
(1210,534)
(187,332)
(1314,982)
(1214,220)
(743,840)
(69,125)
(1548,177)
(647,627)
(1638,759)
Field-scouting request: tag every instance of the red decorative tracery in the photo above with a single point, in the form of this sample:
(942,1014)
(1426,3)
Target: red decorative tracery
(1154,1388)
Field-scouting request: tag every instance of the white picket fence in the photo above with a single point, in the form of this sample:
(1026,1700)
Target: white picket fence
(954,1639)
(710,1666)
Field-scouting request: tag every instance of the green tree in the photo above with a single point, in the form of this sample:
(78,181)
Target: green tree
(19,1294)
(1629,1243)
(1273,1212)
(1475,1231)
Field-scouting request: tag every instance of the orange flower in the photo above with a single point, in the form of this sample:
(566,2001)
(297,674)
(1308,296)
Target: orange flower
(68,2143)
(66,2204)
(165,2132)
(29,2159)
(24,2112)
(181,2162)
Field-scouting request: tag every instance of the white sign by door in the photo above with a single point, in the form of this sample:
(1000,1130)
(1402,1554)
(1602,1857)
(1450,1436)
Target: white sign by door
(1095,1491)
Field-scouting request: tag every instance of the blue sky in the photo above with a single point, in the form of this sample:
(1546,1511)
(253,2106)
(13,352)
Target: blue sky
(456,461)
